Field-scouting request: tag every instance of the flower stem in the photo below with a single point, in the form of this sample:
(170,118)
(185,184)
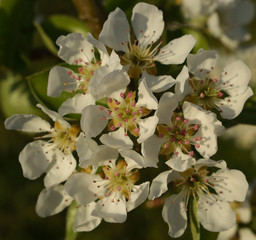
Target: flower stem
(194,223)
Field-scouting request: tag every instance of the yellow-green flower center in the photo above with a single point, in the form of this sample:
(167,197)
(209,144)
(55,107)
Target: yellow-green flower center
(179,134)
(120,179)
(206,93)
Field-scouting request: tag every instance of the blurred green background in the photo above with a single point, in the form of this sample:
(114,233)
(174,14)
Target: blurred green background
(28,31)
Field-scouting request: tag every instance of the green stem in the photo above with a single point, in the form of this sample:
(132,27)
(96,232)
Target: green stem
(194,223)
(71,213)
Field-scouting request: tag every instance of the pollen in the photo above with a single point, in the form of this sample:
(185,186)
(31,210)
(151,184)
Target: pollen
(179,134)
(207,93)
(126,113)
(120,180)
(62,138)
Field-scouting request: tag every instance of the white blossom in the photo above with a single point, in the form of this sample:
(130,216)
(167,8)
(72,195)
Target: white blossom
(140,54)
(228,22)
(92,77)
(50,153)
(211,191)
(182,133)
(227,93)
(113,189)
(123,112)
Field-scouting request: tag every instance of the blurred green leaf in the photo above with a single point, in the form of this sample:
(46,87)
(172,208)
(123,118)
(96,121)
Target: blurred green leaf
(46,39)
(201,41)
(15,97)
(16,17)
(71,213)
(58,24)
(38,86)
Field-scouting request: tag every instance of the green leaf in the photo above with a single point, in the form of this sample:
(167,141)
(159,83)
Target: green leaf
(16,30)
(46,39)
(15,97)
(71,213)
(38,86)
(201,40)
(59,24)
(194,223)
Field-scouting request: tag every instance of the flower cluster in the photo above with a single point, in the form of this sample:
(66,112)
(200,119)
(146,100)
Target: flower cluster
(225,20)
(130,117)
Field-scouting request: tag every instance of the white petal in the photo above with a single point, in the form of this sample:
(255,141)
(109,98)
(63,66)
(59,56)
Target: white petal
(101,156)
(176,51)
(167,104)
(117,140)
(213,23)
(64,166)
(209,128)
(82,188)
(243,12)
(84,221)
(231,107)
(226,235)
(146,97)
(104,56)
(158,83)
(236,77)
(191,8)
(210,163)
(111,210)
(197,115)
(182,87)
(159,183)
(114,31)
(105,83)
(114,62)
(76,104)
(59,80)
(246,234)
(180,161)
(33,160)
(85,148)
(93,116)
(202,62)
(244,212)
(73,47)
(208,144)
(148,19)
(147,128)
(138,197)
(231,185)
(54,116)
(133,159)
(175,215)
(52,201)
(96,81)
(150,149)
(27,123)
(209,211)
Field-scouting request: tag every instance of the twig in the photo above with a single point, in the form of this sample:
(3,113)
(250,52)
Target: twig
(92,13)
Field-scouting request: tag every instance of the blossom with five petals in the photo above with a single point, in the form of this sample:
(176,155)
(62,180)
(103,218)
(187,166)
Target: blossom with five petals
(91,75)
(140,55)
(112,189)
(50,153)
(124,112)
(227,93)
(211,191)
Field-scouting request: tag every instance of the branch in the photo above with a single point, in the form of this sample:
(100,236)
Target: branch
(92,13)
